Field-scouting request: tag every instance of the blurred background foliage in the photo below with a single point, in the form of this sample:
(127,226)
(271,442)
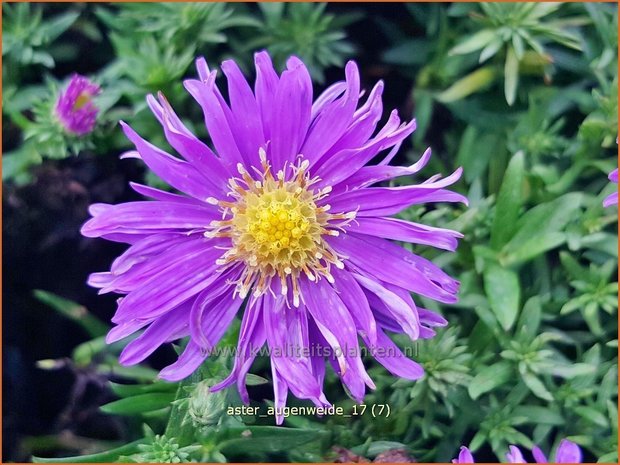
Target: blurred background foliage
(523,96)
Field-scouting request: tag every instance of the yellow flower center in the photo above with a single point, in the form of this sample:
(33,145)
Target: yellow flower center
(277,229)
(83,99)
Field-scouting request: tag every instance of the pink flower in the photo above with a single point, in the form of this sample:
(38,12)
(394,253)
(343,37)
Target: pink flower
(75,109)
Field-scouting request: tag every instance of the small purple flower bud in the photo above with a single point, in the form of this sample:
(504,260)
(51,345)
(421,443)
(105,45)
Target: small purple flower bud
(75,109)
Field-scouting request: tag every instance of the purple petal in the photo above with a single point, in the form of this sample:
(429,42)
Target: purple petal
(292,367)
(291,113)
(611,199)
(155,335)
(568,451)
(188,145)
(216,115)
(172,251)
(354,299)
(336,325)
(145,249)
(164,196)
(126,328)
(248,127)
(406,231)
(280,392)
(327,96)
(514,455)
(178,173)
(363,125)
(341,165)
(390,356)
(403,312)
(188,362)
(385,201)
(381,259)
(265,88)
(333,118)
(214,309)
(173,285)
(149,217)
(369,175)
(251,338)
(464,456)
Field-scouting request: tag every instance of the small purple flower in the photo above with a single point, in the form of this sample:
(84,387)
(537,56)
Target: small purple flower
(75,109)
(283,219)
(612,199)
(567,452)
(464,456)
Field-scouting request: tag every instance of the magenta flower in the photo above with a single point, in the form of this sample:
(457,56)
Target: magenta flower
(567,452)
(280,216)
(75,109)
(612,199)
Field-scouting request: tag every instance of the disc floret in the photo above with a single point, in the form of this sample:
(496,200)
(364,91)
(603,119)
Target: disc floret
(277,228)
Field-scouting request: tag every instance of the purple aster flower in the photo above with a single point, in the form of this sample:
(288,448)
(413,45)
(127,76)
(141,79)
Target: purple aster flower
(567,452)
(75,109)
(612,199)
(283,216)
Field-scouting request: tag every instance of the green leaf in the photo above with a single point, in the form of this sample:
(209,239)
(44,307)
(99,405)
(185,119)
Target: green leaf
(539,415)
(489,378)
(529,321)
(476,42)
(503,290)
(538,230)
(509,202)
(128,390)
(59,24)
(592,415)
(572,370)
(139,404)
(536,386)
(474,82)
(108,456)
(84,353)
(255,380)
(74,311)
(511,76)
(252,439)
(376,447)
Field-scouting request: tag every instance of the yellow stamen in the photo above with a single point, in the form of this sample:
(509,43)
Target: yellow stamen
(83,99)
(277,230)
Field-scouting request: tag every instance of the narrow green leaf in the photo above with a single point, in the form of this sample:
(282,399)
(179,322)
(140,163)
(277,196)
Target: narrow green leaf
(479,40)
(536,386)
(127,390)
(538,230)
(529,321)
(489,378)
(592,415)
(73,311)
(253,439)
(509,202)
(474,82)
(255,380)
(511,76)
(503,290)
(572,370)
(108,456)
(139,404)
(538,415)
